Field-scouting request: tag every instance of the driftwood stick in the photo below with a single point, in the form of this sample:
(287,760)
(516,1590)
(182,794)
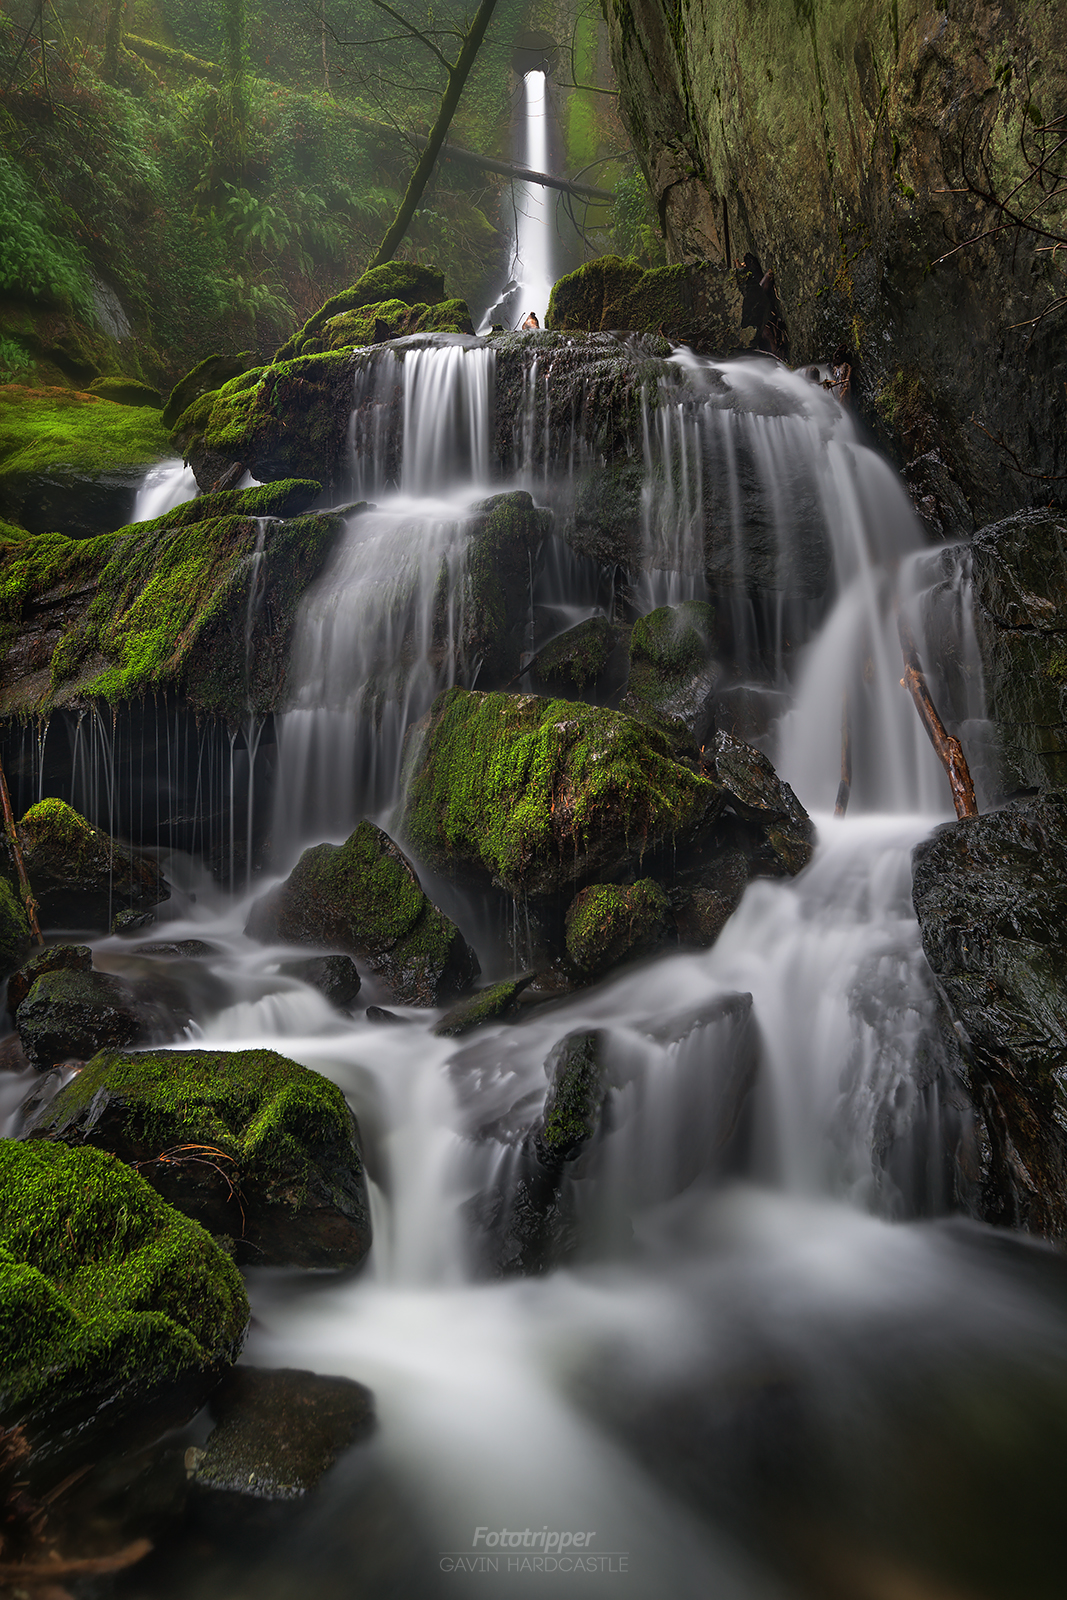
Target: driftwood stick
(844,788)
(949,750)
(20,866)
(45,1571)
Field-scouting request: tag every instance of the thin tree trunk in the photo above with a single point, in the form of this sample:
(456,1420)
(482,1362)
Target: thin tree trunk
(20,866)
(234,21)
(949,750)
(112,39)
(325,62)
(457,77)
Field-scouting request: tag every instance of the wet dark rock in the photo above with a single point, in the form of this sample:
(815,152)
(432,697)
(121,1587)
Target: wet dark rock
(703,908)
(757,795)
(672,681)
(991,897)
(73,1014)
(15,937)
(504,535)
(105,1290)
(494,1004)
(189,949)
(580,664)
(380,1015)
(577,1089)
(132,921)
(80,876)
(699,304)
(938,498)
(255,1147)
(363,897)
(607,923)
(335,977)
(73,502)
(12,1056)
(54,958)
(278,1431)
(1019,574)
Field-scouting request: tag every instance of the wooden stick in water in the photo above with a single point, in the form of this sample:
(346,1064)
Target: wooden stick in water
(844,788)
(20,866)
(949,750)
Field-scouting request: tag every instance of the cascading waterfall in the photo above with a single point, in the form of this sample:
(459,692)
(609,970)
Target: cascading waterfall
(531,276)
(750,1277)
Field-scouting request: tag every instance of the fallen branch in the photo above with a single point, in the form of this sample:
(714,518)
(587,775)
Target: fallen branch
(46,1571)
(20,866)
(949,750)
(1002,444)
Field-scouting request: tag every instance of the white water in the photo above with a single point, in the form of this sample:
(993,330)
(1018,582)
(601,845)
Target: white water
(165,486)
(531,275)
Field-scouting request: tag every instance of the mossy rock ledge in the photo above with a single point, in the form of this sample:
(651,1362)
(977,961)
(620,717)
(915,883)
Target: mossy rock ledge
(106,1292)
(699,303)
(363,898)
(253,1146)
(81,876)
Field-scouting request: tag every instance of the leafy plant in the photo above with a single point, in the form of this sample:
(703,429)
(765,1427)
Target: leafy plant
(34,262)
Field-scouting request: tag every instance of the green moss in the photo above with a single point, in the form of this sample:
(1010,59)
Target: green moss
(578,299)
(578,657)
(127,391)
(1056,668)
(14,931)
(674,639)
(208,375)
(280,418)
(53,826)
(520,783)
(35,565)
(41,429)
(263,1111)
(102,1285)
(486,1006)
(394,280)
(606,922)
(575,1097)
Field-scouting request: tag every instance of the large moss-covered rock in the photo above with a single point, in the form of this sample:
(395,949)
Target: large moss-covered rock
(288,420)
(71,461)
(672,678)
(207,376)
(250,1144)
(81,876)
(14,930)
(403,281)
(53,958)
(834,143)
(991,897)
(608,922)
(364,898)
(1019,573)
(125,391)
(164,604)
(105,1291)
(700,304)
(391,319)
(539,795)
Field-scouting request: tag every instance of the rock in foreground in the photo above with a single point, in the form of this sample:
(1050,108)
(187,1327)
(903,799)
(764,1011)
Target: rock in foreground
(80,876)
(364,898)
(105,1291)
(252,1145)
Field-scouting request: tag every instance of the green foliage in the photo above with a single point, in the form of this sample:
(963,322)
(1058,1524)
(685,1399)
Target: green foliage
(635,228)
(14,359)
(41,429)
(35,263)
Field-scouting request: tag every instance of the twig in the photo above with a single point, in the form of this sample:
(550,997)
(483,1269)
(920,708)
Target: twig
(46,1571)
(1001,444)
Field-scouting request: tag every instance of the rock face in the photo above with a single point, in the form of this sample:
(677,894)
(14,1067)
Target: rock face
(276,1432)
(505,533)
(250,1144)
(701,305)
(105,1291)
(364,898)
(80,876)
(1019,574)
(834,143)
(991,897)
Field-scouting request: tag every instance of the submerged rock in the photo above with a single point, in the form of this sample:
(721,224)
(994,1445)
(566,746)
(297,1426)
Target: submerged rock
(278,1431)
(79,875)
(672,681)
(991,897)
(607,923)
(106,1292)
(363,897)
(539,795)
(252,1145)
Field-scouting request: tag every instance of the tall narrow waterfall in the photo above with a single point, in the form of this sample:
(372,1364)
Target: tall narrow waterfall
(533,238)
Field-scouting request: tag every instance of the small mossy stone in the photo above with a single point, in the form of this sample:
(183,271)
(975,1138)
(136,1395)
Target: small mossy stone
(364,898)
(489,1005)
(80,875)
(54,958)
(538,795)
(253,1145)
(14,930)
(105,1290)
(127,392)
(575,662)
(131,921)
(577,1090)
(607,923)
(278,1431)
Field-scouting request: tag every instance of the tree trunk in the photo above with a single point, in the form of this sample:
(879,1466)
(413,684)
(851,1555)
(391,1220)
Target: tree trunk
(457,77)
(112,39)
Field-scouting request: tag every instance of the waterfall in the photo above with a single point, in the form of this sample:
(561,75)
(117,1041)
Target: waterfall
(531,274)
(163,487)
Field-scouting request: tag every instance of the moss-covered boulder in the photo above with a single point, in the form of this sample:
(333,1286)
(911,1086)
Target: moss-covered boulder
(991,897)
(699,303)
(672,678)
(608,922)
(364,898)
(1019,573)
(127,391)
(578,664)
(106,1292)
(252,1145)
(53,958)
(71,461)
(494,1004)
(14,930)
(390,319)
(207,376)
(68,1015)
(81,876)
(163,604)
(404,281)
(541,795)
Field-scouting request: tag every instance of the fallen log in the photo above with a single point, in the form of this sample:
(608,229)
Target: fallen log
(949,750)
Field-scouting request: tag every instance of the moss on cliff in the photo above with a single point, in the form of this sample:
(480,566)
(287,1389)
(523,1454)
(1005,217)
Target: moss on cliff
(403,281)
